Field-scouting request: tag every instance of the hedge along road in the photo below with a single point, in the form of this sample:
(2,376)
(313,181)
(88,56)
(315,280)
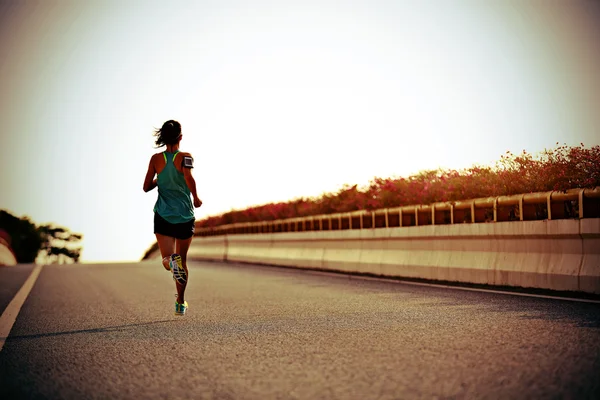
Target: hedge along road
(254,332)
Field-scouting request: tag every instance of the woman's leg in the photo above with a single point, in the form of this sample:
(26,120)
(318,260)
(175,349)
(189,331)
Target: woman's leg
(181,247)
(166,244)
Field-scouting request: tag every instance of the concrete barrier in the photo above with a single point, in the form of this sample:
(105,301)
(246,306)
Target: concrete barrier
(562,255)
(302,250)
(210,248)
(589,273)
(247,248)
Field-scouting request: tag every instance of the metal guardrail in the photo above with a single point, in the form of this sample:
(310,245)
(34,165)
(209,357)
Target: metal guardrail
(574,203)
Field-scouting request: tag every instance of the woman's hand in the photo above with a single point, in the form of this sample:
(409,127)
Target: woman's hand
(197,202)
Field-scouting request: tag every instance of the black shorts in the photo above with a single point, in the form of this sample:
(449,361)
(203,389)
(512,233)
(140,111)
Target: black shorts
(182,231)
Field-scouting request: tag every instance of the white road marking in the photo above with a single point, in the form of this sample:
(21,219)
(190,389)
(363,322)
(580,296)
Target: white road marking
(9,316)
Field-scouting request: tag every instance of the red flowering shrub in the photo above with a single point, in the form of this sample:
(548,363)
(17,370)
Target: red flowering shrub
(558,169)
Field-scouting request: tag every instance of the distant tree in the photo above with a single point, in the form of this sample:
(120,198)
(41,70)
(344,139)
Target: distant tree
(59,245)
(25,241)
(48,242)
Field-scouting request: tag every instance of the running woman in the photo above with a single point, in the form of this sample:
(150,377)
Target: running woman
(174,218)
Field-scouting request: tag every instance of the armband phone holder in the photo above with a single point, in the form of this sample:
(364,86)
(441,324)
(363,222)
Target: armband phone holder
(188,162)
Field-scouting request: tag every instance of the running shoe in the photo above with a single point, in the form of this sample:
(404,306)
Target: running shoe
(180,309)
(179,273)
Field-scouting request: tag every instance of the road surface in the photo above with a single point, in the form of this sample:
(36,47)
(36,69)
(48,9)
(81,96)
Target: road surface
(254,332)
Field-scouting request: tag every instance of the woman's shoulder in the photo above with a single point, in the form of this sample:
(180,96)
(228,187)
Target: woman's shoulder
(156,157)
(184,154)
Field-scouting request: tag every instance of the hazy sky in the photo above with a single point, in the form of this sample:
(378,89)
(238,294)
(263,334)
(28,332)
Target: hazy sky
(277,99)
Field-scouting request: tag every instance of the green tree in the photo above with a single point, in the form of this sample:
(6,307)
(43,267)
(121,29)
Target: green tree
(51,243)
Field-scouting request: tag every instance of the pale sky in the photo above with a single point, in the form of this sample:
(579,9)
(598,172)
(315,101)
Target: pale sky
(277,100)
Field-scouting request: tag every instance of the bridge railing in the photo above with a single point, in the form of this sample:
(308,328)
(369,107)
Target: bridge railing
(572,204)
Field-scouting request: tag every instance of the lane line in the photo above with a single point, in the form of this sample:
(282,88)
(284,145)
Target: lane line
(9,316)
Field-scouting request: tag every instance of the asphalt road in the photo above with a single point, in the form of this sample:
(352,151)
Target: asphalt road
(108,332)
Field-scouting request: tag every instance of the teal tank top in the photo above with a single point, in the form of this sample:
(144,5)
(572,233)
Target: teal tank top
(174,202)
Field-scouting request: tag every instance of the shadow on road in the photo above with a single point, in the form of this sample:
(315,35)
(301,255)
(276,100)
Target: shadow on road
(580,315)
(106,329)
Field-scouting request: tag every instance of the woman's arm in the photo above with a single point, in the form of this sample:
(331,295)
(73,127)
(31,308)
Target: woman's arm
(190,181)
(149,181)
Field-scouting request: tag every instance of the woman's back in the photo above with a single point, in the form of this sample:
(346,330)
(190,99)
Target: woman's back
(174,203)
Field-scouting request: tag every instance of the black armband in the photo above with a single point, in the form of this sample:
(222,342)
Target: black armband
(188,162)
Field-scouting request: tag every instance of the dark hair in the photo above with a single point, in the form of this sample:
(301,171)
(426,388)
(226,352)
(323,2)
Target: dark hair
(168,134)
